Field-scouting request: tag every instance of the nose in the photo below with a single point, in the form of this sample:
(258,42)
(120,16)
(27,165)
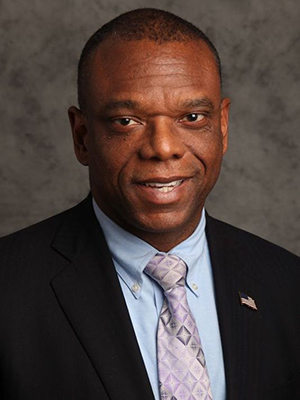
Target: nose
(162,142)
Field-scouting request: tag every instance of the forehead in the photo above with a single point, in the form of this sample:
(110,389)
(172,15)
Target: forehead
(144,66)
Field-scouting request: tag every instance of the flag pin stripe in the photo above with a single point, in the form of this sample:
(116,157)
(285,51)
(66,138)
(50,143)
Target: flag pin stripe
(247,301)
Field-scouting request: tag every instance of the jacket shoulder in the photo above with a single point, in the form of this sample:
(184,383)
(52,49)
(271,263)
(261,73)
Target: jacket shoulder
(266,260)
(246,239)
(33,239)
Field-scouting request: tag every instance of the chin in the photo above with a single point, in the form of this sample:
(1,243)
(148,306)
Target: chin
(164,223)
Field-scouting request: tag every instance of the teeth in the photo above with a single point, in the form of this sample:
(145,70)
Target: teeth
(164,187)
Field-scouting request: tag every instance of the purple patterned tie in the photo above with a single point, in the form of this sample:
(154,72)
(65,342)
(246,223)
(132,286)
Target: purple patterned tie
(181,363)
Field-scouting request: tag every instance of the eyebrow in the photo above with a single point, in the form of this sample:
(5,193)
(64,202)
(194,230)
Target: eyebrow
(194,103)
(117,104)
(113,105)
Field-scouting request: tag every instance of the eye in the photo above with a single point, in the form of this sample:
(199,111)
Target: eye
(193,117)
(124,121)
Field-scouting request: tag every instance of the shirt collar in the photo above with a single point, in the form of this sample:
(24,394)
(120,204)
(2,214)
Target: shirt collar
(131,254)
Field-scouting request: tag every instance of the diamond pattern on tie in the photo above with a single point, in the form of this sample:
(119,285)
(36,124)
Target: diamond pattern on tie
(181,362)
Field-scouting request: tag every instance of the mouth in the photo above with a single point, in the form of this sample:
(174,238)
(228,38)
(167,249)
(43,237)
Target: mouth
(164,187)
(163,191)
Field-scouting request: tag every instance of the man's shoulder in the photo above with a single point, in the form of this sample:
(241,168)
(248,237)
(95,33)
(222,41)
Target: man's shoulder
(40,234)
(230,240)
(235,252)
(38,229)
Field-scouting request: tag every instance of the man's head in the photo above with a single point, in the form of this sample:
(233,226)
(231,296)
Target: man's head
(151,24)
(153,128)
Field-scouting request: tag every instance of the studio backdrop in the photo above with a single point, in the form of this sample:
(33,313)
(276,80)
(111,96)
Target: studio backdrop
(259,45)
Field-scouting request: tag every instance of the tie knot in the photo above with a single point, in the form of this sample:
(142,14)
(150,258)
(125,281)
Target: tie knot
(167,270)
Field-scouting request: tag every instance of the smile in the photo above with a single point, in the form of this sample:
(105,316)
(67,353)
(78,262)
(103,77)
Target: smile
(164,187)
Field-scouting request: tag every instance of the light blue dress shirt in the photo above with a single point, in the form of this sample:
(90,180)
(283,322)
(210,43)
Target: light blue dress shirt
(144,297)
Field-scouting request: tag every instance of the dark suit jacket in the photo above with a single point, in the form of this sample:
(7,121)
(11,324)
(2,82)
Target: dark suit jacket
(65,332)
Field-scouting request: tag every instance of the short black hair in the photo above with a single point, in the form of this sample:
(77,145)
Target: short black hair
(152,24)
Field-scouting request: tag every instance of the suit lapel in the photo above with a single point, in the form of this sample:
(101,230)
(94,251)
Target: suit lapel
(89,293)
(240,327)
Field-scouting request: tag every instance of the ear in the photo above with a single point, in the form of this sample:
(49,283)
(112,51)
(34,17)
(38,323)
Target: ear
(224,122)
(79,132)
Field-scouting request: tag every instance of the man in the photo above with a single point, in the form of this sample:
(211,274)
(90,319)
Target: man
(80,308)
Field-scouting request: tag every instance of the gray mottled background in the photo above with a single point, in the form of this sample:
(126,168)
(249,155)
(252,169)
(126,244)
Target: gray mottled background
(259,43)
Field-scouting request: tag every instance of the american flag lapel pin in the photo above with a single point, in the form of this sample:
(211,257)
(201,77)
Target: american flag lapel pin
(247,301)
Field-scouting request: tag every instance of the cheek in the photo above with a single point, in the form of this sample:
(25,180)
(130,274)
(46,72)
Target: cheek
(108,157)
(207,146)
